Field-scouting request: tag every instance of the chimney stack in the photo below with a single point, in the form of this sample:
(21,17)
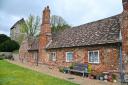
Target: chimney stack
(46,16)
(125,5)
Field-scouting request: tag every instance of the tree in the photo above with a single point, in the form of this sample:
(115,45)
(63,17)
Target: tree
(31,25)
(3,38)
(7,45)
(58,24)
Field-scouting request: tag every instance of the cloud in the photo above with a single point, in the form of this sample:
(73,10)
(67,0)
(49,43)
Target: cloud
(14,10)
(22,7)
(75,12)
(7,22)
(4,32)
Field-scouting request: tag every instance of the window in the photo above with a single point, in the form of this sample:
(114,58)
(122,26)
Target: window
(52,56)
(69,56)
(93,57)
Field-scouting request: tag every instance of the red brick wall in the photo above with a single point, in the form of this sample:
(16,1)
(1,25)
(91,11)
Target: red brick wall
(125,4)
(124,31)
(109,57)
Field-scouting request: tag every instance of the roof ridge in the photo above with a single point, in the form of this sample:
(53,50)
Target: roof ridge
(17,22)
(98,20)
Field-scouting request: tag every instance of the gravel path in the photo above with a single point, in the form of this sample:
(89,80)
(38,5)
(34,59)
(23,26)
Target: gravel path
(72,78)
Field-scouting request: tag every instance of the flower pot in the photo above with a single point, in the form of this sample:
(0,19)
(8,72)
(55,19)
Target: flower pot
(101,78)
(97,77)
(114,81)
(105,81)
(105,77)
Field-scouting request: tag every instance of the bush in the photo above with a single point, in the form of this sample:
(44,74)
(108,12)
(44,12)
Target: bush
(3,38)
(61,69)
(89,68)
(72,65)
(113,76)
(9,46)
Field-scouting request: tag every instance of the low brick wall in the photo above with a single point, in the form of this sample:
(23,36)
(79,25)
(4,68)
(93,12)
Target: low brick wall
(16,56)
(5,55)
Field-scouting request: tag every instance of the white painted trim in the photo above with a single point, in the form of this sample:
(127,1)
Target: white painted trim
(49,43)
(66,56)
(98,57)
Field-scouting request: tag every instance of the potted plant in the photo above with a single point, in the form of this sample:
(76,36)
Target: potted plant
(101,77)
(110,78)
(114,78)
(105,77)
(92,77)
(72,65)
(66,70)
(61,69)
(89,68)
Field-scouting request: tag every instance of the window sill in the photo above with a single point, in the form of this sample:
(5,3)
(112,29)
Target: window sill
(94,62)
(69,61)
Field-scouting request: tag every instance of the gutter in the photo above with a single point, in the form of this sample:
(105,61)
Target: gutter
(121,63)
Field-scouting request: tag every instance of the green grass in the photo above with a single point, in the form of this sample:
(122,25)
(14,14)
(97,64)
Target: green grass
(11,74)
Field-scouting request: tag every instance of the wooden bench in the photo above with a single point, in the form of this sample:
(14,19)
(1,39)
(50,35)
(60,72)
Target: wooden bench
(80,68)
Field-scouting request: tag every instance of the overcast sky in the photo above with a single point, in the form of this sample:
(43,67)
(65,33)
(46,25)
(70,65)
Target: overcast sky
(75,12)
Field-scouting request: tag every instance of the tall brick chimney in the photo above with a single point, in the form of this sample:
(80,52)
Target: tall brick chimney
(45,33)
(125,4)
(124,30)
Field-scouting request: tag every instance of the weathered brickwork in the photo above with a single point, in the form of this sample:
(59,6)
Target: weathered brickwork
(124,31)
(45,34)
(104,35)
(109,57)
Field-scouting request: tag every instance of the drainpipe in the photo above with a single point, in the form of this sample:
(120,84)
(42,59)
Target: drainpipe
(121,63)
(37,59)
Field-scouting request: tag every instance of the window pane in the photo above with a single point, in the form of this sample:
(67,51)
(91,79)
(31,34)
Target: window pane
(96,56)
(52,56)
(69,56)
(93,57)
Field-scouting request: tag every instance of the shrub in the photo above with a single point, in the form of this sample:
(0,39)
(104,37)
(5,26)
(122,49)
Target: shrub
(89,68)
(72,65)
(61,69)
(3,38)
(9,46)
(113,76)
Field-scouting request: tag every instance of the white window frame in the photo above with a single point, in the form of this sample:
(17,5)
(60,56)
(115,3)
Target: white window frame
(67,58)
(53,57)
(98,57)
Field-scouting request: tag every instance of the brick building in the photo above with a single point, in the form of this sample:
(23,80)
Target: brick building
(97,43)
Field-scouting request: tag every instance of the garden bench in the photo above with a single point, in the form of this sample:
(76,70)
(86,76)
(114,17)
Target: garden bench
(80,68)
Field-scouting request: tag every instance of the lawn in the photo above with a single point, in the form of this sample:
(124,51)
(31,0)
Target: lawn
(11,74)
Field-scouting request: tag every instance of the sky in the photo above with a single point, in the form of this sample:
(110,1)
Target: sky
(75,12)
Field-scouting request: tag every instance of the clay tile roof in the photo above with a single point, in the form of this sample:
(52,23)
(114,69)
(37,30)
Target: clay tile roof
(34,45)
(99,32)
